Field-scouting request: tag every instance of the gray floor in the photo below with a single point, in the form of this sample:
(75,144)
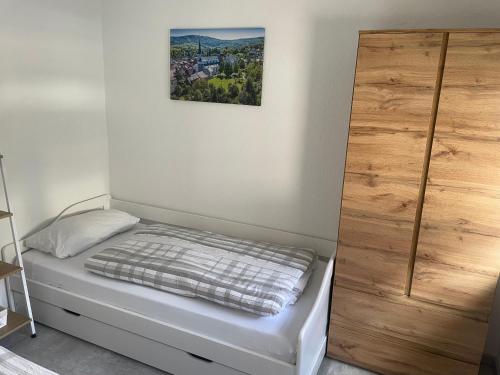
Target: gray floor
(68,355)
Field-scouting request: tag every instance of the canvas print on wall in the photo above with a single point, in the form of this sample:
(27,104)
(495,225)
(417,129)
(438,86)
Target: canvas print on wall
(217,65)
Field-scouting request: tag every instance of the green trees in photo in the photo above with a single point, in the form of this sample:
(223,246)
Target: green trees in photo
(238,81)
(233,91)
(249,94)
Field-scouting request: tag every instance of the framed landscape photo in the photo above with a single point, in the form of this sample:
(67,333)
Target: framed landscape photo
(217,65)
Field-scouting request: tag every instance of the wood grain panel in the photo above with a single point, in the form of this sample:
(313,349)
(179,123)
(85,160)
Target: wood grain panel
(423,328)
(395,79)
(458,254)
(465,210)
(371,196)
(453,287)
(375,232)
(7,269)
(473,252)
(4,215)
(408,104)
(390,357)
(391,111)
(370,146)
(365,244)
(469,113)
(442,30)
(15,321)
(456,154)
(398,60)
(473,62)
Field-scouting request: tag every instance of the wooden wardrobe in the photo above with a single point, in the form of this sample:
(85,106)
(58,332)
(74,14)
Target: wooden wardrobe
(419,238)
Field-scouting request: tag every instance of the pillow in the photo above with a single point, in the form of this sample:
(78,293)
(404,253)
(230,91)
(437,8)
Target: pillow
(74,234)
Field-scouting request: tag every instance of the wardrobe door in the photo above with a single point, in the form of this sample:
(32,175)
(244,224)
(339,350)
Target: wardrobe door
(458,253)
(391,112)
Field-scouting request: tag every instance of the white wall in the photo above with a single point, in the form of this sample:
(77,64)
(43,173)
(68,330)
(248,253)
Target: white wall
(279,165)
(52,106)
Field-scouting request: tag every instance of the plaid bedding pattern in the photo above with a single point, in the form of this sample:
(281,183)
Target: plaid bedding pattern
(12,364)
(257,277)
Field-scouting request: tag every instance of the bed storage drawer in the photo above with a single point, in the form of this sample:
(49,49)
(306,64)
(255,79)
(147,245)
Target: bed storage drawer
(140,348)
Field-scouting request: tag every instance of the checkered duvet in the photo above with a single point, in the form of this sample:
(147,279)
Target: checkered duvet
(257,277)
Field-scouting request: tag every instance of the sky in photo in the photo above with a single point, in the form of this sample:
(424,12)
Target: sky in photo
(223,33)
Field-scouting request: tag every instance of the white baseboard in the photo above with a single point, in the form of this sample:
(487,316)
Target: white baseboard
(324,247)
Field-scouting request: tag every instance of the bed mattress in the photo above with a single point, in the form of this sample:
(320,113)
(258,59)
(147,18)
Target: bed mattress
(274,336)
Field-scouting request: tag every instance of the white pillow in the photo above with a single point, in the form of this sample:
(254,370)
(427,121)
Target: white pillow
(74,234)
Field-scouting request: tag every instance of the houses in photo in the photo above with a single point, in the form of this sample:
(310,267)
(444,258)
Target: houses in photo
(204,68)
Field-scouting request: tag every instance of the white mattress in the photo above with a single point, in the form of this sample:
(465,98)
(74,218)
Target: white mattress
(274,336)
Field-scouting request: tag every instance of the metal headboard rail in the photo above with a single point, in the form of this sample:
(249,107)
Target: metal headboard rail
(55,220)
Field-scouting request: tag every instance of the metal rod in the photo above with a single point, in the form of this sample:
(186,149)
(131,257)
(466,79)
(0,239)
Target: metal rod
(17,246)
(10,296)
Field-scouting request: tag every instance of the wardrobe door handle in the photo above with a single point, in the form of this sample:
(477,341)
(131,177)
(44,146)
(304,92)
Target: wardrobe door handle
(200,357)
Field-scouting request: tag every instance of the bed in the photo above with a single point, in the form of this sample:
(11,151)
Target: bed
(177,334)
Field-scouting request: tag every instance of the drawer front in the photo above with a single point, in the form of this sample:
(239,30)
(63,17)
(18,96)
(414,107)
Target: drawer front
(142,349)
(376,353)
(421,326)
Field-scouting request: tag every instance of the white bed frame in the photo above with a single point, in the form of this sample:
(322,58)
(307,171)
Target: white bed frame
(174,349)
